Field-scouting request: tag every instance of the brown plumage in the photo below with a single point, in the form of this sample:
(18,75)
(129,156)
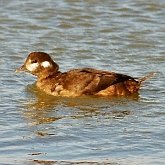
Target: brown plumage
(78,82)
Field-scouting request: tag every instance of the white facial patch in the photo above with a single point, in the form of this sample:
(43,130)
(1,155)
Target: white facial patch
(46,64)
(32,67)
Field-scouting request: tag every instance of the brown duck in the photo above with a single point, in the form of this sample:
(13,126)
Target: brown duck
(78,82)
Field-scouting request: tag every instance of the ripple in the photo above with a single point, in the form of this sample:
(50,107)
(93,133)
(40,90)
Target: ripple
(111,35)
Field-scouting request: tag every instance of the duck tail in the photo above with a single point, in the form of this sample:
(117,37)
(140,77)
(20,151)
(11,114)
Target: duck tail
(148,76)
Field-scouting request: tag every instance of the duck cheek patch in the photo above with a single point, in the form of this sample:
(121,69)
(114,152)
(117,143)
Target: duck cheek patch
(32,67)
(45,64)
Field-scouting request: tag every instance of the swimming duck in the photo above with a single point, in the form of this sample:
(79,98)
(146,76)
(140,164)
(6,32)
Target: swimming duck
(78,82)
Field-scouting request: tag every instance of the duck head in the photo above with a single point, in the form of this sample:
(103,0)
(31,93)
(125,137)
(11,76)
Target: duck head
(39,64)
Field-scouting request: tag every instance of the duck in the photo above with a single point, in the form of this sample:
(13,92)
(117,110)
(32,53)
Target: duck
(78,82)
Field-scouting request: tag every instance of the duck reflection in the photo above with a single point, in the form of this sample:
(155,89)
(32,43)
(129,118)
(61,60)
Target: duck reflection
(39,109)
(49,116)
(47,109)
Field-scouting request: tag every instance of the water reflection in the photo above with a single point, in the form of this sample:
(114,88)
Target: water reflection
(51,117)
(44,109)
(39,110)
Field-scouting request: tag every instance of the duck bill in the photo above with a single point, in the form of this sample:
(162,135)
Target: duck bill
(21,69)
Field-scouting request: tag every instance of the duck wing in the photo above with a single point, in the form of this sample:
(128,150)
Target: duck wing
(102,80)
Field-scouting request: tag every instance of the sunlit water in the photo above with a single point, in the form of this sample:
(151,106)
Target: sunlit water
(123,36)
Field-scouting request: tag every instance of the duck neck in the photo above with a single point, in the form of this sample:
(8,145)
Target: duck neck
(47,74)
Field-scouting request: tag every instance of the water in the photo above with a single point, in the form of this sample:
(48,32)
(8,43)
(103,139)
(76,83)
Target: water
(122,36)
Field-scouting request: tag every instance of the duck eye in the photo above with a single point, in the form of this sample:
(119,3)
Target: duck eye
(34,61)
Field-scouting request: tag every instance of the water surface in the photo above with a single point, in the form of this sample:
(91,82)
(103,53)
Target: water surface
(122,36)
